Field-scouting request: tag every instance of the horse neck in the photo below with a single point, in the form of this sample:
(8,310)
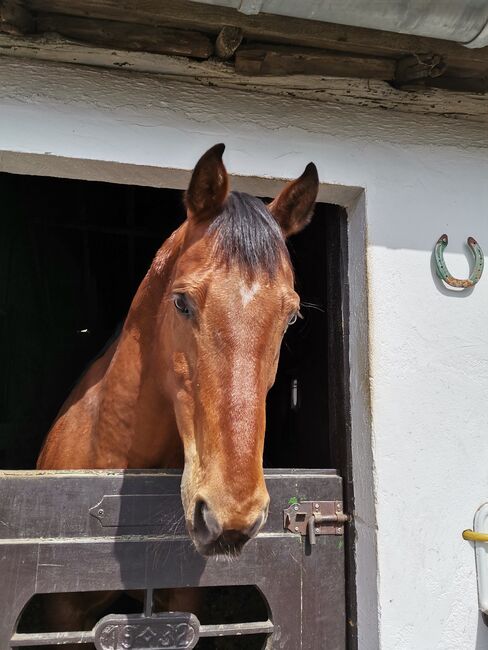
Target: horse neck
(136,423)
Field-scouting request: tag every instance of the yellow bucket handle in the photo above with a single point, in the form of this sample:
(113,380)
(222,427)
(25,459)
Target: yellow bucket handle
(471,536)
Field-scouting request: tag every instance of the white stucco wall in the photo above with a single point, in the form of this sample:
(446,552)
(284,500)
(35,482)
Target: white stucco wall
(421,452)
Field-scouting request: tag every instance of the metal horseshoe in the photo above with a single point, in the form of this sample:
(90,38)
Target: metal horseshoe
(443,272)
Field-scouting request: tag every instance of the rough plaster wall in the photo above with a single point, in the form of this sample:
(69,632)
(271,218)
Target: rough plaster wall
(428,348)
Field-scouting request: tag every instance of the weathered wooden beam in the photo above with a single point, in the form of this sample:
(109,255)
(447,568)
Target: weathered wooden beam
(278,60)
(364,93)
(415,67)
(227,42)
(128,36)
(414,71)
(460,84)
(271,28)
(15,18)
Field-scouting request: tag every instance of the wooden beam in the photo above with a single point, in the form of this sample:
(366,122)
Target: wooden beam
(15,18)
(415,71)
(461,84)
(128,36)
(227,42)
(414,67)
(355,92)
(281,60)
(270,28)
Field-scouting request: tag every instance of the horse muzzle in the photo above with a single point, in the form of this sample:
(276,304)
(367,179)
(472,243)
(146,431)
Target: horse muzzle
(211,537)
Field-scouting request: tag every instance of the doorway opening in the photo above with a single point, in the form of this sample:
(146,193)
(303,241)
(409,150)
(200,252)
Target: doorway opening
(72,254)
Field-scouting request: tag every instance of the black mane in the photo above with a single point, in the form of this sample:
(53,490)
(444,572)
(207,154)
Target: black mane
(247,233)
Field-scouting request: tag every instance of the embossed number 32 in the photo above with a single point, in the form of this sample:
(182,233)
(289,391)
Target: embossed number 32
(179,636)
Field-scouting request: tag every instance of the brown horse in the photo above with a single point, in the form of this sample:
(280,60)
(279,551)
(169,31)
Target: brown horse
(185,383)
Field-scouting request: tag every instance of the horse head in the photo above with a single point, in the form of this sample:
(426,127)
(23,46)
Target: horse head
(229,301)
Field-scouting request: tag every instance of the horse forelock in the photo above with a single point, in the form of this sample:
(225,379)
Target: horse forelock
(247,234)
(244,233)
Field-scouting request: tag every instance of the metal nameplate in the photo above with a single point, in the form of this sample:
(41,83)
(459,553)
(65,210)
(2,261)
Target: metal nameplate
(166,631)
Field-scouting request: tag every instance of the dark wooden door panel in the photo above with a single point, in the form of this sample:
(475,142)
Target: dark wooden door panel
(93,531)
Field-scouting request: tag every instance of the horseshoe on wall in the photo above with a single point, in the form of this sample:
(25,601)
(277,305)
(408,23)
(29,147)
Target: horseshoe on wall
(443,272)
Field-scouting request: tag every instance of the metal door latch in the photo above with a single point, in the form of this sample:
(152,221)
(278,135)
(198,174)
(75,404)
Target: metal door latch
(312,518)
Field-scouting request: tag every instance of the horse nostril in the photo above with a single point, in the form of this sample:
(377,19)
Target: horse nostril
(254,529)
(198,517)
(205,524)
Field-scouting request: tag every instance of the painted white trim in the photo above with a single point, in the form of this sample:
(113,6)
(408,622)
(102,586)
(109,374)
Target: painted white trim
(36,164)
(361,430)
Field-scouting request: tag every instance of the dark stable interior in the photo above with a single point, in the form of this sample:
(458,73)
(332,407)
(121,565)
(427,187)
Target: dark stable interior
(72,254)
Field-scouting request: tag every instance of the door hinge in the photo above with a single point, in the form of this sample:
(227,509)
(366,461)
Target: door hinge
(312,518)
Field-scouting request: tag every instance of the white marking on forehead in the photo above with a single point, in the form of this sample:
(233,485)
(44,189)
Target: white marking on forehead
(248,292)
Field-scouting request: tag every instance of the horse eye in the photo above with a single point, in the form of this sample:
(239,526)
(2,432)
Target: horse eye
(181,304)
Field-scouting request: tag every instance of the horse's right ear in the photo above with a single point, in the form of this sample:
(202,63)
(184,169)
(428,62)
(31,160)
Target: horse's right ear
(209,186)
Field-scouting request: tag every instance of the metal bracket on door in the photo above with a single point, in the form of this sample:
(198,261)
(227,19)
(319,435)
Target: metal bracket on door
(312,518)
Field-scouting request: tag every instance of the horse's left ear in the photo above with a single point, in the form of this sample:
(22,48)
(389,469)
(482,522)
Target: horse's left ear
(209,185)
(293,207)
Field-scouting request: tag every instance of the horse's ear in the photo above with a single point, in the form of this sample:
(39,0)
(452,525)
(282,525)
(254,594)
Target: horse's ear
(293,207)
(209,185)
